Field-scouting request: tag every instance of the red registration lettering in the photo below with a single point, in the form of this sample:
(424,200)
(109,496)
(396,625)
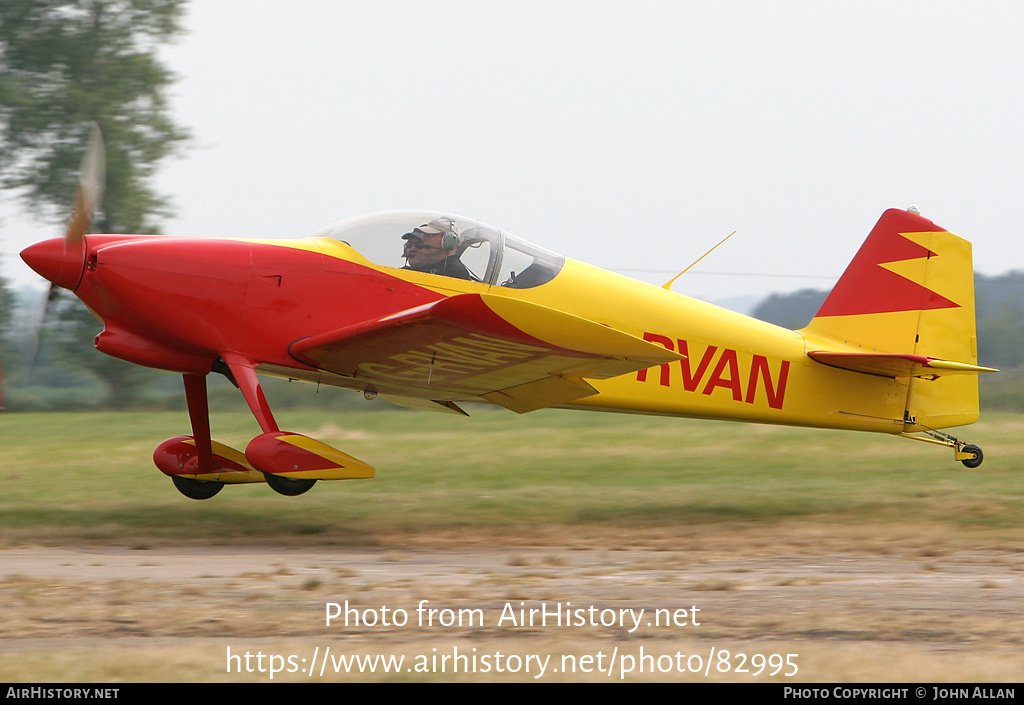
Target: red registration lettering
(725,373)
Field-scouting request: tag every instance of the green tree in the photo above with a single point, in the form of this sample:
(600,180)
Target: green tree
(791,311)
(65,64)
(1001,339)
(7,304)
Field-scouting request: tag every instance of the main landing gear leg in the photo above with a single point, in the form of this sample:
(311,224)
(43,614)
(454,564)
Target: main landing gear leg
(199,415)
(249,384)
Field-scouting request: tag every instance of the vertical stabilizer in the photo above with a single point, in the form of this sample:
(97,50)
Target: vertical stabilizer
(909,291)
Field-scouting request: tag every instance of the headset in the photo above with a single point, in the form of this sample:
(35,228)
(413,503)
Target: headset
(450,240)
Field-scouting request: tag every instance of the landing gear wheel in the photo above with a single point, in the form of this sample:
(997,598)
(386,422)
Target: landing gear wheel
(196,489)
(288,486)
(976,460)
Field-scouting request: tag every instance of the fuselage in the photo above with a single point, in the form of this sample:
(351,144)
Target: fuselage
(180,304)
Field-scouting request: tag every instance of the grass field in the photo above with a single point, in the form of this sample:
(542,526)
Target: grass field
(90,477)
(874,558)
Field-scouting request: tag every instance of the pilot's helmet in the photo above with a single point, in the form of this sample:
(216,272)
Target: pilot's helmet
(445,227)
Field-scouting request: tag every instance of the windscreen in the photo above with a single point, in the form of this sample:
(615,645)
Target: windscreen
(447,245)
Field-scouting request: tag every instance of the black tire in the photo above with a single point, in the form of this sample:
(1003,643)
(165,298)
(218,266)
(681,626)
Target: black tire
(196,489)
(976,460)
(288,486)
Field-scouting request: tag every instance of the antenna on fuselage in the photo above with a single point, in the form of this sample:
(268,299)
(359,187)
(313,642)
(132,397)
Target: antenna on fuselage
(668,285)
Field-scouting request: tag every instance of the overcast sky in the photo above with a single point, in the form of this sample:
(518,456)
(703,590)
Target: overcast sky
(631,135)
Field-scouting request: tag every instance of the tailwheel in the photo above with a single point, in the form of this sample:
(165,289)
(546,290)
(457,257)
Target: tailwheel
(978,456)
(196,489)
(967,453)
(288,486)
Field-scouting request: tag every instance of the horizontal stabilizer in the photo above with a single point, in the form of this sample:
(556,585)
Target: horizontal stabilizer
(896,365)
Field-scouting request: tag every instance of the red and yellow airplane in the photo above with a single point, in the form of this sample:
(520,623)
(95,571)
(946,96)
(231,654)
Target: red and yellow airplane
(430,310)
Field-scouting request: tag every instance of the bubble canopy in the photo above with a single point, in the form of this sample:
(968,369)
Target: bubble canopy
(492,256)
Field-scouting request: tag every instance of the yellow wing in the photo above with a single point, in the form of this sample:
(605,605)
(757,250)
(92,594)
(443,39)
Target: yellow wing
(517,354)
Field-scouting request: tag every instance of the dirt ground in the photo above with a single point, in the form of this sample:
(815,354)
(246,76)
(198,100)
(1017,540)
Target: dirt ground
(802,603)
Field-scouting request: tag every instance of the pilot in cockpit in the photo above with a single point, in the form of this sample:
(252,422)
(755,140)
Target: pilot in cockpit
(435,248)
